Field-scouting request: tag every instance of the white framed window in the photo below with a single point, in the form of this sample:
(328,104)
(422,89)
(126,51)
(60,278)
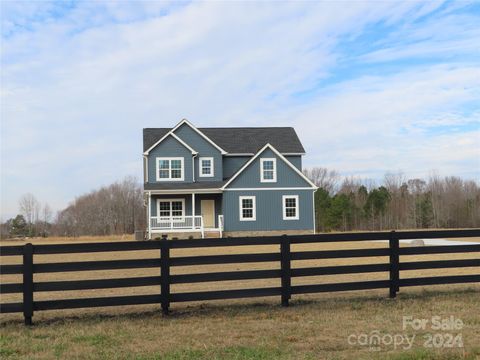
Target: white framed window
(206,167)
(268,170)
(248,208)
(290,207)
(171,208)
(170,169)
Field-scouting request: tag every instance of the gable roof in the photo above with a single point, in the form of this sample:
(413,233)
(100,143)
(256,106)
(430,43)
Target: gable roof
(239,140)
(268,146)
(176,138)
(164,133)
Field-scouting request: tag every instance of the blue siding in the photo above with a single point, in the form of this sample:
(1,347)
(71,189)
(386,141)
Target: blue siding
(296,160)
(204,148)
(231,164)
(286,176)
(170,147)
(269,211)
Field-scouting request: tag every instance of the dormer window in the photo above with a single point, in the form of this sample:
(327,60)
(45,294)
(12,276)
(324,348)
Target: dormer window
(268,170)
(206,166)
(170,169)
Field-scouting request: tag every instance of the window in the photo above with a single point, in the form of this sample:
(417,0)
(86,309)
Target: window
(247,208)
(170,169)
(170,207)
(206,166)
(290,207)
(268,170)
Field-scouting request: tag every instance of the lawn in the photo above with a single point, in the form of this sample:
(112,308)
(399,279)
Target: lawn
(315,326)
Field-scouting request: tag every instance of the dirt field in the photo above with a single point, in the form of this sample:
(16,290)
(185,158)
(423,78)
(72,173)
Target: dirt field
(315,326)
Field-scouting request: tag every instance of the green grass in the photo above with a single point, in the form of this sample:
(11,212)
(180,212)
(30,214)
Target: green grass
(312,328)
(422,354)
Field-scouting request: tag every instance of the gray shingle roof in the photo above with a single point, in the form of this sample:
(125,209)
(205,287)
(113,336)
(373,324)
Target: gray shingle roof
(239,139)
(184,186)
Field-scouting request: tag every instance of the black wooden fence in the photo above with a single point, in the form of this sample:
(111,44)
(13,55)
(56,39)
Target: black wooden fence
(164,262)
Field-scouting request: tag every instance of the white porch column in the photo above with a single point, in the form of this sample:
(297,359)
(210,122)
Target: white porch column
(193,210)
(193,204)
(149,209)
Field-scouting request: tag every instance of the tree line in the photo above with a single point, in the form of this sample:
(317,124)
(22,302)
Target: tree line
(340,205)
(397,203)
(111,210)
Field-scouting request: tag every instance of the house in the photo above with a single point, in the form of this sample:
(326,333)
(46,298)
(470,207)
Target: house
(227,181)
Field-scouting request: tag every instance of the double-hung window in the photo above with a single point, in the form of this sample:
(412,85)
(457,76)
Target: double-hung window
(268,170)
(290,207)
(170,169)
(206,166)
(247,208)
(171,208)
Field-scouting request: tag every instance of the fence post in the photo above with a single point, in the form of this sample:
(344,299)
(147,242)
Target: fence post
(28,283)
(285,259)
(394,264)
(165,273)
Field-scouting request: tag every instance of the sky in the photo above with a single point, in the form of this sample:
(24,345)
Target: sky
(370,87)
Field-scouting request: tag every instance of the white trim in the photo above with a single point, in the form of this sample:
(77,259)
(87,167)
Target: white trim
(182,200)
(212,169)
(193,204)
(254,208)
(193,167)
(185,121)
(186,191)
(219,191)
(182,168)
(145,170)
(278,188)
(251,154)
(184,143)
(262,173)
(314,214)
(280,156)
(284,208)
(149,215)
(170,133)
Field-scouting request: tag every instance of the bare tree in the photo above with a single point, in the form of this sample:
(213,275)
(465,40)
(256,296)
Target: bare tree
(114,209)
(46,218)
(30,208)
(323,178)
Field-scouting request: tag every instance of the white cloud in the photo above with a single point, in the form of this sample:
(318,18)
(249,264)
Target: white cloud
(78,88)
(378,124)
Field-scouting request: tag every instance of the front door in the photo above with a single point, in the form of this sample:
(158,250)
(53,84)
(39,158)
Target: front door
(207,209)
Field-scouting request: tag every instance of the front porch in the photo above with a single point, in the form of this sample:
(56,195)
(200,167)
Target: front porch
(184,213)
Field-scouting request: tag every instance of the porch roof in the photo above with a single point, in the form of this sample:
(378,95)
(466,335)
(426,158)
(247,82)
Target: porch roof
(214,185)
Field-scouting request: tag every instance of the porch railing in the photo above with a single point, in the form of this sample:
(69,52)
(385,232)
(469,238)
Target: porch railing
(220,224)
(189,223)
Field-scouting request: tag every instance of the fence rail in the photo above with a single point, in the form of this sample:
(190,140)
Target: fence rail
(164,262)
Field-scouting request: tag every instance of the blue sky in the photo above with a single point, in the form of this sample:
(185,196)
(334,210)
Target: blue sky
(371,87)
